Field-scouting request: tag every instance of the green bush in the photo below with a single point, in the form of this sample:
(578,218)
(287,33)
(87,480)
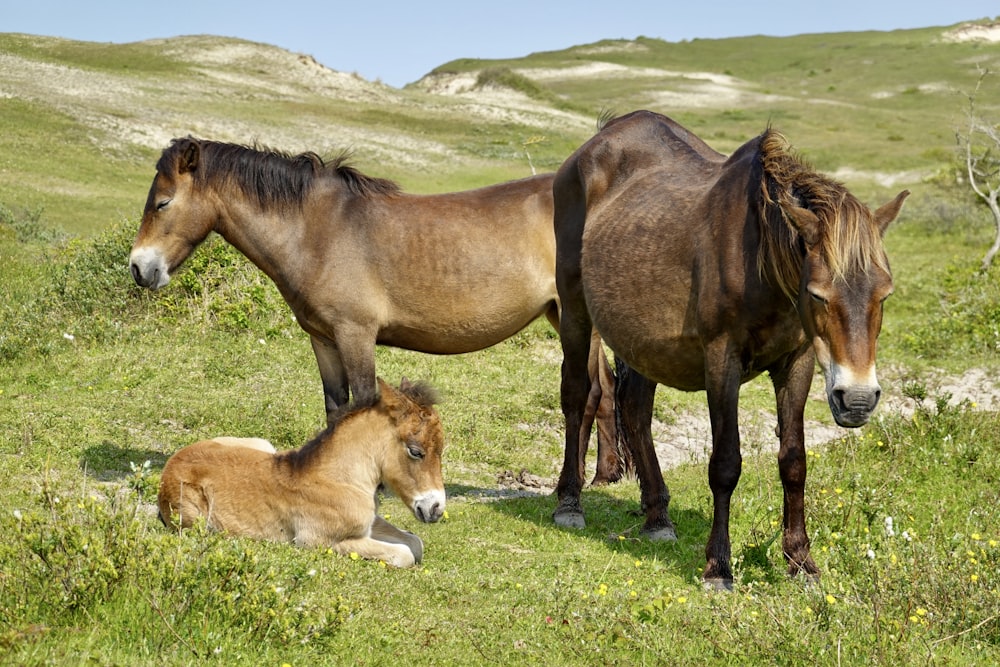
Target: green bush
(969,317)
(89,296)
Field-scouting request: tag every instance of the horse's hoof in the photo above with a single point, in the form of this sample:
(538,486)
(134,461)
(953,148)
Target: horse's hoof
(809,580)
(569,513)
(569,519)
(417,549)
(662,534)
(718,584)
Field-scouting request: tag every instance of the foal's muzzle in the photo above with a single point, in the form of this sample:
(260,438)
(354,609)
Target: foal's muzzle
(429,507)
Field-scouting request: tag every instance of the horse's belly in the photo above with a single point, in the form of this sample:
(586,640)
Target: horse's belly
(677,362)
(462,323)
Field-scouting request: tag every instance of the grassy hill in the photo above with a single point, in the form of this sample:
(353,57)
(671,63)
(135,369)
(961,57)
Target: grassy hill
(101,381)
(83,123)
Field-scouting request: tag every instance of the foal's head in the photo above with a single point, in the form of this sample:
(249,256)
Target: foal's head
(412,467)
(844,279)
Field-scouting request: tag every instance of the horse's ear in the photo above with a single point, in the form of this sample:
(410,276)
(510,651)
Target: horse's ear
(189,157)
(806,224)
(888,212)
(405,385)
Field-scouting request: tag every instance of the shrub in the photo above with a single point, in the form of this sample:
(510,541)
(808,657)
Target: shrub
(90,297)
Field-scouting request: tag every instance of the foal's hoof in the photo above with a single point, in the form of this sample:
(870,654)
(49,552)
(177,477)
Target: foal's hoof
(718,584)
(569,514)
(416,546)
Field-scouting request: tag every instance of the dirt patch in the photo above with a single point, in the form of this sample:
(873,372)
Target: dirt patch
(974,32)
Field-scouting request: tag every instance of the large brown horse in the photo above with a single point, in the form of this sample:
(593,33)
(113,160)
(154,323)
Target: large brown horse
(325,492)
(702,272)
(362,263)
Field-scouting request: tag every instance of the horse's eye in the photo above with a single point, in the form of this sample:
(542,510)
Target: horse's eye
(163,204)
(817,298)
(414,452)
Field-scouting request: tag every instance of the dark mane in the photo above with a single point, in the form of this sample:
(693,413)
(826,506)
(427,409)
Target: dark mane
(850,241)
(420,393)
(271,178)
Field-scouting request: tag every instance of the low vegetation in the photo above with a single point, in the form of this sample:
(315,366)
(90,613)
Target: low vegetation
(102,381)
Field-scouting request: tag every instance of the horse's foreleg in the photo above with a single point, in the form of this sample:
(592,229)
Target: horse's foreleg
(634,396)
(356,343)
(726,462)
(791,388)
(383,531)
(395,554)
(331,371)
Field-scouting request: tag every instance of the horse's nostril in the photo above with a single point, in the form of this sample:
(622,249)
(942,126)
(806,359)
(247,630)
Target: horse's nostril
(134,268)
(837,399)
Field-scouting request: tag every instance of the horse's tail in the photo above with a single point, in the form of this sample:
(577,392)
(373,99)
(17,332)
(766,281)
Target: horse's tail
(623,373)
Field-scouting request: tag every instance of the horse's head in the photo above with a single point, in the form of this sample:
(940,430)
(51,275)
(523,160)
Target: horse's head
(176,218)
(845,280)
(412,469)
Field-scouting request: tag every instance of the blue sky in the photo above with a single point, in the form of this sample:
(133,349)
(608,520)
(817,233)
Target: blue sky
(398,42)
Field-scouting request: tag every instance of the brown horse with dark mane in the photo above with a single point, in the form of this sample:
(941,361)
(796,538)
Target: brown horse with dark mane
(702,272)
(361,263)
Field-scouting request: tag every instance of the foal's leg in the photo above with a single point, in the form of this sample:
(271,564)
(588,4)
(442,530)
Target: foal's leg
(331,370)
(397,555)
(791,387)
(634,404)
(383,531)
(725,465)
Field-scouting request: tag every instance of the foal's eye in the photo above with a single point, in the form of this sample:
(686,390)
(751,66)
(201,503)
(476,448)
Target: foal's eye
(163,204)
(414,452)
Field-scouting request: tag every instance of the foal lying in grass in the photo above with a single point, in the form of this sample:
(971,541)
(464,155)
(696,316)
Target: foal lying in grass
(323,493)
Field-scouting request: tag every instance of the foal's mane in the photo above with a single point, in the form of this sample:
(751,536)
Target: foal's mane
(420,393)
(271,177)
(849,239)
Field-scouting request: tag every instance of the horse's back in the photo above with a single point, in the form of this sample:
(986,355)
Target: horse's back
(431,266)
(259,444)
(208,475)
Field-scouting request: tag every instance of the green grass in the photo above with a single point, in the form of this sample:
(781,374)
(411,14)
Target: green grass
(142,374)
(98,377)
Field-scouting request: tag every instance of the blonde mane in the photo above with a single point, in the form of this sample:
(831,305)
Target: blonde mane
(850,242)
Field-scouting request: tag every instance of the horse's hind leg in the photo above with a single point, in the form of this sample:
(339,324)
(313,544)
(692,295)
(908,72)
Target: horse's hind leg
(612,457)
(634,406)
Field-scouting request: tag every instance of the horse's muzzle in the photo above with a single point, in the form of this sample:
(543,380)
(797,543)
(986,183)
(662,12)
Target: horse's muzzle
(853,406)
(429,507)
(148,269)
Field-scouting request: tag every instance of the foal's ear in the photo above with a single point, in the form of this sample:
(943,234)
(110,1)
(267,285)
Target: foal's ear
(806,224)
(188,160)
(888,212)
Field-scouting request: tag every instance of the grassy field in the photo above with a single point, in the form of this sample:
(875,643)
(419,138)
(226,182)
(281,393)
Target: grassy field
(102,381)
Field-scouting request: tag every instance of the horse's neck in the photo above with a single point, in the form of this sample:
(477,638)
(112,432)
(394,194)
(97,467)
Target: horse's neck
(265,237)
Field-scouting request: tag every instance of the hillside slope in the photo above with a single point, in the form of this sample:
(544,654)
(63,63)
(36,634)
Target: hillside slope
(84,122)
